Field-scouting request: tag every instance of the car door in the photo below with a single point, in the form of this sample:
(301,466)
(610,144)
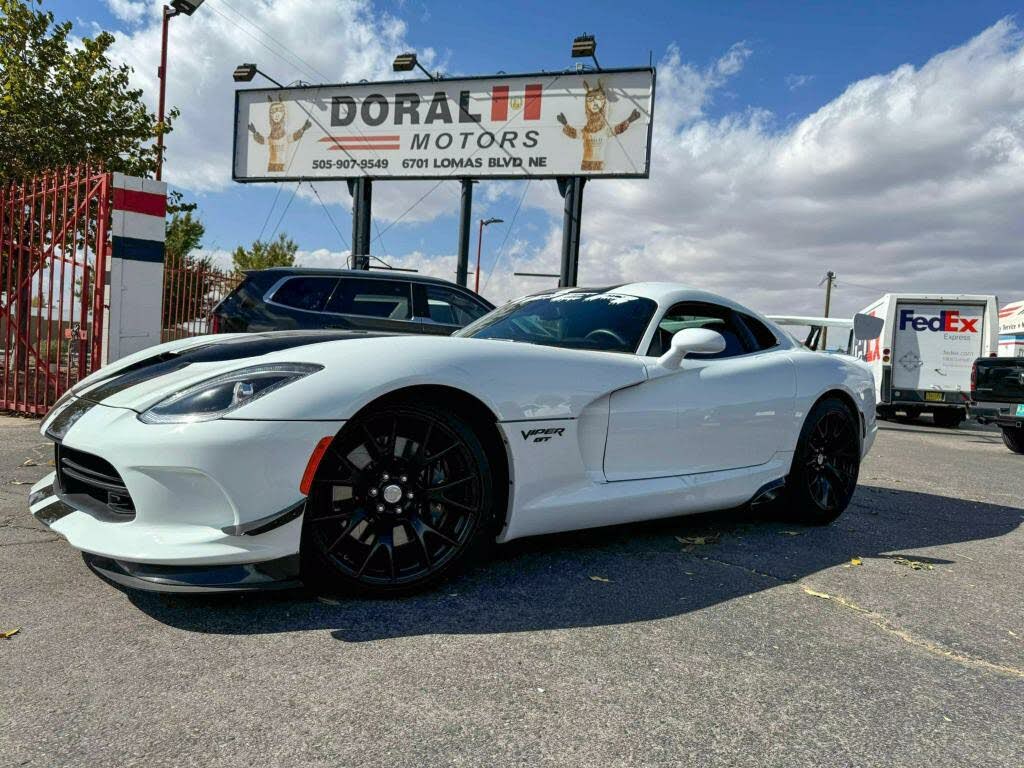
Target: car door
(442,310)
(713,413)
(371,304)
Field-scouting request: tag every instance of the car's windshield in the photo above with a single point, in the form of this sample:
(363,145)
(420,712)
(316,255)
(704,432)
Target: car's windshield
(577,319)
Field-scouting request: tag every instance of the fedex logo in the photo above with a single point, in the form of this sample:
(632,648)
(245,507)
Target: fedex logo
(948,320)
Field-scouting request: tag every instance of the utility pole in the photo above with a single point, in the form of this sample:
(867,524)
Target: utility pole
(465,211)
(830,278)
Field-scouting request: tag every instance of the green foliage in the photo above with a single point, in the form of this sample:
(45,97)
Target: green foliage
(62,103)
(189,275)
(184,233)
(276,253)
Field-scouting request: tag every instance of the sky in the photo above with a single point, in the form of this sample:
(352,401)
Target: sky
(883,141)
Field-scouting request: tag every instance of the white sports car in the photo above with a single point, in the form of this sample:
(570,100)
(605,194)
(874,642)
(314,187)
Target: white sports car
(381,464)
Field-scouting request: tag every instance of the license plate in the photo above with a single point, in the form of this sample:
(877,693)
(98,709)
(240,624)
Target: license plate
(1020,409)
(933,397)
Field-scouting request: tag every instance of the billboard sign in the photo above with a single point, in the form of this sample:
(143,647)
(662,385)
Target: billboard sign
(595,124)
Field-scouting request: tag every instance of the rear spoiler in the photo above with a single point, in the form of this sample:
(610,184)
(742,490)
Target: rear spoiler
(864,327)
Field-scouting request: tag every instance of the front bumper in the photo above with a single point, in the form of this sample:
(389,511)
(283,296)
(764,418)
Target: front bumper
(217,504)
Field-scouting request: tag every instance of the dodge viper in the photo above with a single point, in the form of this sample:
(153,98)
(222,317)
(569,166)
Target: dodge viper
(383,464)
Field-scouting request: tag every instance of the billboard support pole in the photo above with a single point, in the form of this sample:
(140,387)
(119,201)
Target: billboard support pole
(361,190)
(571,188)
(465,213)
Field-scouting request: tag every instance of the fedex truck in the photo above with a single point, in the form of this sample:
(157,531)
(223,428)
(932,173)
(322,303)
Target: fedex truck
(922,359)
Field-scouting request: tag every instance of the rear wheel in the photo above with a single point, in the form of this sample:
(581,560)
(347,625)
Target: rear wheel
(825,466)
(948,418)
(402,500)
(1013,437)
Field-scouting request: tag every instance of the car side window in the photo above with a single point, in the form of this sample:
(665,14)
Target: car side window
(452,308)
(307,293)
(762,335)
(385,299)
(695,314)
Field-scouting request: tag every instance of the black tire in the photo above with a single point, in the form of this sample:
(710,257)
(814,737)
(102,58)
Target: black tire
(1013,437)
(403,500)
(826,465)
(948,419)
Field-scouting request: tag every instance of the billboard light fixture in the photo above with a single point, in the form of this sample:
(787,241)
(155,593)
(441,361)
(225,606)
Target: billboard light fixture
(187,7)
(585,47)
(244,73)
(407,62)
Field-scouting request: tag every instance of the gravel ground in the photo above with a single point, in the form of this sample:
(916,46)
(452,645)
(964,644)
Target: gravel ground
(765,645)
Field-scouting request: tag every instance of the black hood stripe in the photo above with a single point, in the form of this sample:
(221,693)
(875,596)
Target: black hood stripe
(213,351)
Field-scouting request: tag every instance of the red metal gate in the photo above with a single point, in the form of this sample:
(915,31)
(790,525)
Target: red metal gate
(54,248)
(191,291)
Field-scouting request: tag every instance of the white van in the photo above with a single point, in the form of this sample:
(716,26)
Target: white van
(923,357)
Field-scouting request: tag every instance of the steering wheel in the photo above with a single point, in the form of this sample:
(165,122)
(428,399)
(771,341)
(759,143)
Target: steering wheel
(598,332)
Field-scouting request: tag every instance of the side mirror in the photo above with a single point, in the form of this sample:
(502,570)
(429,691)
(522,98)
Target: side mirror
(866,327)
(691,341)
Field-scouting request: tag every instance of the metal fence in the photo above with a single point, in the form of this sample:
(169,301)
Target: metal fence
(54,248)
(191,291)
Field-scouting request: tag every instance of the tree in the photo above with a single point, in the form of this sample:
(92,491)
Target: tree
(276,253)
(187,274)
(62,103)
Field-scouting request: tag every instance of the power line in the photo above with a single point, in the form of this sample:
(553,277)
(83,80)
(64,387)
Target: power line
(266,219)
(309,67)
(243,30)
(330,218)
(285,211)
(404,213)
(508,231)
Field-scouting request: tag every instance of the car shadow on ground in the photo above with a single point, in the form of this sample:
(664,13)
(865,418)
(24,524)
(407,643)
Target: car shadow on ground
(611,575)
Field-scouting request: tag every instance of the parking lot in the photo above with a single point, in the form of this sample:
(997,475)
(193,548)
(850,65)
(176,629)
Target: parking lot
(892,637)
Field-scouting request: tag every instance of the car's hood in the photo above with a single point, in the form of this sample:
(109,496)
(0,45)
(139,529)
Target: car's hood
(516,380)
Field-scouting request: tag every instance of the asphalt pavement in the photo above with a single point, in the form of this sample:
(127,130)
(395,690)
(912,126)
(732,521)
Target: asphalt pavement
(893,637)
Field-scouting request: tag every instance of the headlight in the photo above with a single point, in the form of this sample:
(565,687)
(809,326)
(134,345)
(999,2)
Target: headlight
(211,399)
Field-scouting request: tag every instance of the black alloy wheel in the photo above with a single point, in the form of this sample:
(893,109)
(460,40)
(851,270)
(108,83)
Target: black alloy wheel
(400,500)
(826,464)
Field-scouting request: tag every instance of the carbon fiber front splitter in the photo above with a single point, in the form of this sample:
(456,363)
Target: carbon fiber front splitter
(282,573)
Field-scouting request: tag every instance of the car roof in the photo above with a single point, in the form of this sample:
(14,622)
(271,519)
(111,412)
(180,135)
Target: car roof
(663,293)
(378,274)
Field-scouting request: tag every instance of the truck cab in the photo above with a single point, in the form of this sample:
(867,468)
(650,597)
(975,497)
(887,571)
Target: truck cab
(997,397)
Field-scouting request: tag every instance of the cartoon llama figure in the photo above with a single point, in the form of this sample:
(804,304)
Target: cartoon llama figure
(278,140)
(597,131)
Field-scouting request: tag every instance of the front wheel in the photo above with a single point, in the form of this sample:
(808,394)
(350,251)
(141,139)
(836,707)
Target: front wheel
(403,499)
(826,465)
(1013,437)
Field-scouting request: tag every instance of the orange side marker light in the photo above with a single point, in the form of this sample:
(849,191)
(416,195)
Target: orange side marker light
(314,462)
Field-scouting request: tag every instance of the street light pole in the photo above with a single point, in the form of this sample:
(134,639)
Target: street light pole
(176,8)
(161,72)
(479,247)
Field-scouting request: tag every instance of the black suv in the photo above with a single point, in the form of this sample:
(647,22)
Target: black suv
(287,298)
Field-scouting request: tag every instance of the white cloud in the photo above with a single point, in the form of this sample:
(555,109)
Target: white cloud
(793,82)
(312,40)
(130,11)
(909,180)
